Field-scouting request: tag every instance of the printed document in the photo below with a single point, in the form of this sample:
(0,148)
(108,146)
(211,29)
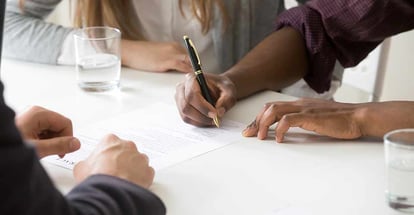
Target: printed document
(159,132)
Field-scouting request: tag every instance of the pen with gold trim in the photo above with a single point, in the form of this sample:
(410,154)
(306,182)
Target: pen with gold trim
(195,61)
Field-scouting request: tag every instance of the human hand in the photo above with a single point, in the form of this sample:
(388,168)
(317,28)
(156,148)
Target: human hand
(192,106)
(50,132)
(321,116)
(334,119)
(119,158)
(155,56)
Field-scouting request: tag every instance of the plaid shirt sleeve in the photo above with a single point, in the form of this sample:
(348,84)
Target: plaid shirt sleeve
(344,30)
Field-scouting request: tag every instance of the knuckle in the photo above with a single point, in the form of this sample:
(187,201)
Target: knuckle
(145,157)
(130,145)
(286,118)
(303,101)
(172,46)
(179,87)
(189,76)
(36,108)
(151,172)
(110,138)
(187,119)
(267,105)
(186,109)
(309,110)
(272,106)
(189,96)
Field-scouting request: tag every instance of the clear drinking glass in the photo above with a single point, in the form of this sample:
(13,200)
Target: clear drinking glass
(98,63)
(399,160)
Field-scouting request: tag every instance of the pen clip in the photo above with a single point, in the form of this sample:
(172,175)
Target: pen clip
(195,51)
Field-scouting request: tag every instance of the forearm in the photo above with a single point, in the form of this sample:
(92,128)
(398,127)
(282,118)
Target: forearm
(278,61)
(139,54)
(127,50)
(28,37)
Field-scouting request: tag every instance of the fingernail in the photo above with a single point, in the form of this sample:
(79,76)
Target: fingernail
(252,124)
(221,111)
(246,132)
(74,144)
(212,114)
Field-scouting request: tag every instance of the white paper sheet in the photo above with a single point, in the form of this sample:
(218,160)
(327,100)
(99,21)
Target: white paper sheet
(159,132)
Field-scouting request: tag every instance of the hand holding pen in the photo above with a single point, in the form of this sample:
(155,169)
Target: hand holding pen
(200,105)
(195,61)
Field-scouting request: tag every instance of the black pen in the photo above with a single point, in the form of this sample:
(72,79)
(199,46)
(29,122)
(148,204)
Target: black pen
(195,61)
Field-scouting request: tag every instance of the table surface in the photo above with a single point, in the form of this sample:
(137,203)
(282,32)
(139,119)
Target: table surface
(309,174)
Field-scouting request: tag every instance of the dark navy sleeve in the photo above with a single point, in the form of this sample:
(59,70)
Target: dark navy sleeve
(103,194)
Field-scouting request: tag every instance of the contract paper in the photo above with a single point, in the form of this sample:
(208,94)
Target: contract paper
(159,132)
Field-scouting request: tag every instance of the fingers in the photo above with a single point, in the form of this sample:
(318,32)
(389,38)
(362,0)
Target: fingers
(177,58)
(251,130)
(110,139)
(181,64)
(149,174)
(225,102)
(193,108)
(38,122)
(310,114)
(119,158)
(194,96)
(59,124)
(56,146)
(307,121)
(188,113)
(270,114)
(187,59)
(337,124)
(142,162)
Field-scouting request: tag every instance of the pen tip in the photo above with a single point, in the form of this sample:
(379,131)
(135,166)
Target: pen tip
(216,121)
(185,37)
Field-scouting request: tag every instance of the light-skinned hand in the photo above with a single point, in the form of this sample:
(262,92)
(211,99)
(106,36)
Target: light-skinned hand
(116,157)
(50,132)
(155,56)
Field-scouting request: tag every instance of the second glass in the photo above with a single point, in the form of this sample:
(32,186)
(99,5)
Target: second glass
(399,159)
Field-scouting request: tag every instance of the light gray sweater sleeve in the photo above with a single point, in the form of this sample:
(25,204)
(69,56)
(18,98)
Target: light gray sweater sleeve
(27,36)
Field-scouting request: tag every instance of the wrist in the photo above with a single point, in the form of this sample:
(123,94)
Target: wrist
(125,50)
(241,81)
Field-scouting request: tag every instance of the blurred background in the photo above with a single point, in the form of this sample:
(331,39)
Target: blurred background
(386,74)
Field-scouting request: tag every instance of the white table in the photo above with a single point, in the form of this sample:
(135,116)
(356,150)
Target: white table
(308,175)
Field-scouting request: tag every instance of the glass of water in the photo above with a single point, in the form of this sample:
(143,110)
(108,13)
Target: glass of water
(399,159)
(98,63)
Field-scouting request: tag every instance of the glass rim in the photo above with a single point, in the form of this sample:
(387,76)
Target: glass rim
(399,143)
(115,30)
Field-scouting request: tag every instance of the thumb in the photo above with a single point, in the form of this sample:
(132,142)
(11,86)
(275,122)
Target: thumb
(56,146)
(225,102)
